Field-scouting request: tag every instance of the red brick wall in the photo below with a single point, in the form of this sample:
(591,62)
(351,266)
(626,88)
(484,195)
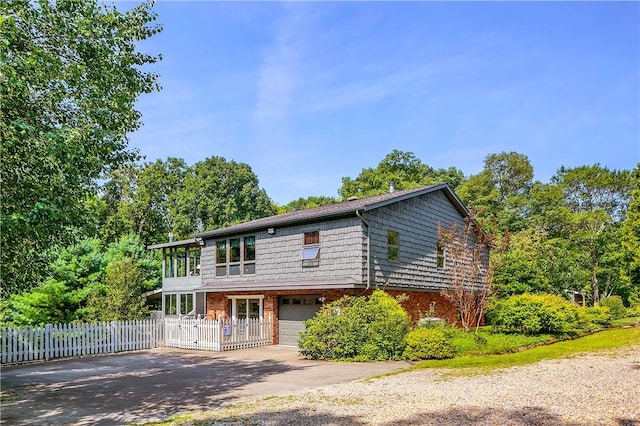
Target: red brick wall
(417,304)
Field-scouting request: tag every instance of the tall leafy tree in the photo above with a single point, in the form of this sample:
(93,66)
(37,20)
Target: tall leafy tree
(217,193)
(402,168)
(307,203)
(122,299)
(499,192)
(596,201)
(630,240)
(70,77)
(141,200)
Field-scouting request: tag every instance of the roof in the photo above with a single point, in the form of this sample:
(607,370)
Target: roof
(180,243)
(336,210)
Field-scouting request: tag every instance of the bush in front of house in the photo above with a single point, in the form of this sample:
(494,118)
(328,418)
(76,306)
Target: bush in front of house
(615,305)
(534,314)
(357,329)
(428,343)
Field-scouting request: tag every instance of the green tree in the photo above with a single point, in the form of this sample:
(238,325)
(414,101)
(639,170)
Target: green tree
(523,267)
(217,193)
(597,200)
(141,200)
(630,240)
(76,273)
(79,274)
(70,77)
(307,203)
(499,192)
(404,169)
(122,298)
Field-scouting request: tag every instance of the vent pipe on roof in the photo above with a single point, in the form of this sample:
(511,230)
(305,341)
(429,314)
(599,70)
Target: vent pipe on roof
(392,187)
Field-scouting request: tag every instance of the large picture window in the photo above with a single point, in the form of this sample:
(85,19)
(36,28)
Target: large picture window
(236,256)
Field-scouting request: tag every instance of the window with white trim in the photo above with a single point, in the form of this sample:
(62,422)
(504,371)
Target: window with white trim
(178,303)
(246,307)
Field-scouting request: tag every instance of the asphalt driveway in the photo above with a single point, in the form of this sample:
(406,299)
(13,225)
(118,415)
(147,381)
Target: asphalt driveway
(153,385)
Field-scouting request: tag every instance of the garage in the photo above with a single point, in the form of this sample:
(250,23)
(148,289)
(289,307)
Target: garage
(292,311)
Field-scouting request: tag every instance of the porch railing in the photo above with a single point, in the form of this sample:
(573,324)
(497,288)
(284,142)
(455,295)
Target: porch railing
(217,335)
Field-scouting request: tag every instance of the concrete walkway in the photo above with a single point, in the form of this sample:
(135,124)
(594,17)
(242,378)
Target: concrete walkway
(153,385)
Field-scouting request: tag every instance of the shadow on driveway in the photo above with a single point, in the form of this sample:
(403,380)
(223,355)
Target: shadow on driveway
(155,384)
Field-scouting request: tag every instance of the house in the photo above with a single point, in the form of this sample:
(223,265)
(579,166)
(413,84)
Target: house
(286,266)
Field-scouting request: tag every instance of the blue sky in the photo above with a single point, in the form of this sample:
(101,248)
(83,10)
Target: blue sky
(309,92)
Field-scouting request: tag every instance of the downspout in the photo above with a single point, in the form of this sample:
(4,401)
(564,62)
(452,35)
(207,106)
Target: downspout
(368,252)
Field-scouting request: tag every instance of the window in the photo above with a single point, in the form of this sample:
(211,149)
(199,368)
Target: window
(186,304)
(249,255)
(311,247)
(194,261)
(312,237)
(178,303)
(168,264)
(439,256)
(170,304)
(310,253)
(181,262)
(246,307)
(221,258)
(236,256)
(392,245)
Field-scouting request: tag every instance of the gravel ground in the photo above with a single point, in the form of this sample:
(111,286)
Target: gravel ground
(591,389)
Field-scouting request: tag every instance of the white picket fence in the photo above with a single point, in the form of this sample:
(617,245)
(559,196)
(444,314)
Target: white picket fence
(51,341)
(217,335)
(42,343)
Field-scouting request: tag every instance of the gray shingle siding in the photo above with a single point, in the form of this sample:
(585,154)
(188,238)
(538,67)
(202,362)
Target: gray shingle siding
(344,242)
(278,256)
(416,221)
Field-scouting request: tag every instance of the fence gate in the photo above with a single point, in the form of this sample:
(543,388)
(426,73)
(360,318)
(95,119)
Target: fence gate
(216,335)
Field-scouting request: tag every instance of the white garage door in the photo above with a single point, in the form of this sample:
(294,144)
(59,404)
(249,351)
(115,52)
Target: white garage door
(292,311)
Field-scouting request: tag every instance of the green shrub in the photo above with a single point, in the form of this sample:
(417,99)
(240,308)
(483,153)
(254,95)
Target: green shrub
(428,343)
(357,329)
(595,317)
(534,314)
(615,305)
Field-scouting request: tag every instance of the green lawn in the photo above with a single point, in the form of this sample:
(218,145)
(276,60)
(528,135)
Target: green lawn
(608,339)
